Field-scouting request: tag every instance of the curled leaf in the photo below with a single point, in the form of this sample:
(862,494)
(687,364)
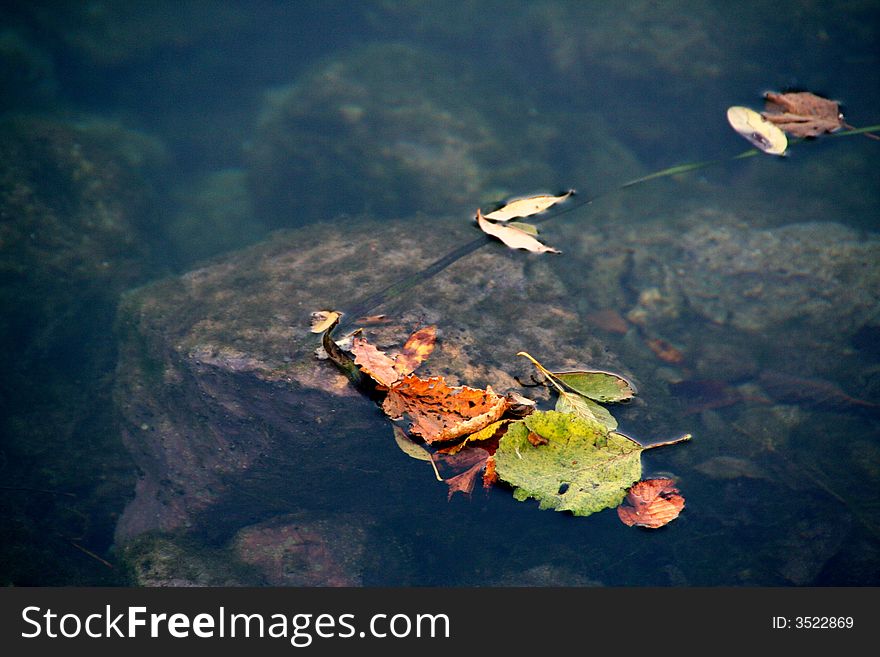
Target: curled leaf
(374,363)
(527,206)
(486,433)
(802,114)
(441,413)
(598,385)
(321,320)
(387,370)
(757,130)
(651,503)
(513,237)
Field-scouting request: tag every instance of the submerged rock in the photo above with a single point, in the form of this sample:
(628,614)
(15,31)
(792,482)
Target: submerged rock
(294,551)
(75,218)
(391,129)
(229,414)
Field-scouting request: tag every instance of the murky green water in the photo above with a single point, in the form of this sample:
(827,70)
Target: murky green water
(139,141)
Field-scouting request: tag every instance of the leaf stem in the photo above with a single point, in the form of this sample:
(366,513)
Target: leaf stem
(543,370)
(674,441)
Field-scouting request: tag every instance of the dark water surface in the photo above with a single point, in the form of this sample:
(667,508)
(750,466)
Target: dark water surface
(140,140)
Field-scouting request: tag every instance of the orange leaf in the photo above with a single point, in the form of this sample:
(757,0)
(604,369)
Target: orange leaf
(651,503)
(439,412)
(802,114)
(417,348)
(374,363)
(489,474)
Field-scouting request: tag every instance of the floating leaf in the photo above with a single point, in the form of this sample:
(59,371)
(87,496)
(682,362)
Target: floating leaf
(413,449)
(468,464)
(757,130)
(321,320)
(802,114)
(387,370)
(524,227)
(583,468)
(651,503)
(586,408)
(513,237)
(374,363)
(527,206)
(487,433)
(598,385)
(441,413)
(417,348)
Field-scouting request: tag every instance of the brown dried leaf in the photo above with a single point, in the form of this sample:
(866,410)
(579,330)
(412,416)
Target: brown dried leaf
(536,440)
(513,237)
(439,412)
(374,363)
(802,114)
(417,348)
(651,503)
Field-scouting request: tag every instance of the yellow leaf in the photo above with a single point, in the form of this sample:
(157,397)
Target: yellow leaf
(757,130)
(513,237)
(323,319)
(527,206)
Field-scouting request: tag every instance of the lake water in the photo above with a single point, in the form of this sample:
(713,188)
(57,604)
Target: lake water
(142,142)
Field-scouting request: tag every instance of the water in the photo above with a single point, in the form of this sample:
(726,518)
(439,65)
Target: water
(138,142)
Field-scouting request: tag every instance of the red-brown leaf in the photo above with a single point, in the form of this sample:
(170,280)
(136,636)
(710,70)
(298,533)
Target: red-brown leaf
(374,363)
(467,464)
(802,114)
(651,503)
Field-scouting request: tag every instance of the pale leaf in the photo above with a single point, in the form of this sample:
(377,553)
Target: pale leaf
(513,237)
(527,206)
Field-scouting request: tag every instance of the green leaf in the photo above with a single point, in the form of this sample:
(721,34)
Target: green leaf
(583,406)
(524,227)
(601,386)
(583,468)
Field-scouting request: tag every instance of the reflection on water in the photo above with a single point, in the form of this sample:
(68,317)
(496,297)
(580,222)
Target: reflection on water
(190,436)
